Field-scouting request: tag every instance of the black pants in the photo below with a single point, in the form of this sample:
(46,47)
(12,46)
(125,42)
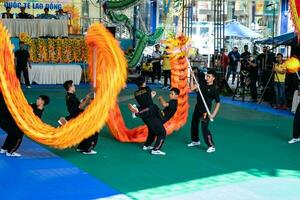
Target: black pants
(242,80)
(225,85)
(14,136)
(296,124)
(147,74)
(19,70)
(155,130)
(154,122)
(88,144)
(253,88)
(167,75)
(265,76)
(197,117)
(157,70)
(231,70)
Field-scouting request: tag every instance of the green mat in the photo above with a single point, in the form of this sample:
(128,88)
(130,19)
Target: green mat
(247,142)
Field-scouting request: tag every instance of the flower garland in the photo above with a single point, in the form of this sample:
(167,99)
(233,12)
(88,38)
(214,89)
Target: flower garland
(57,50)
(51,51)
(59,43)
(24,37)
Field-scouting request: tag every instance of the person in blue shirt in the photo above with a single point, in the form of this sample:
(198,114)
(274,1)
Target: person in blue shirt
(46,15)
(234,58)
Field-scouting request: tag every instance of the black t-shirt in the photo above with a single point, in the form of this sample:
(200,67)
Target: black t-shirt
(7,15)
(22,58)
(72,103)
(4,112)
(253,70)
(265,61)
(7,122)
(234,58)
(143,97)
(170,110)
(37,112)
(244,57)
(24,16)
(210,93)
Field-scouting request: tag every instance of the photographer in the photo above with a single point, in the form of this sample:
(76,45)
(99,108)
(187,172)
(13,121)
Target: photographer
(234,59)
(265,62)
(253,76)
(244,65)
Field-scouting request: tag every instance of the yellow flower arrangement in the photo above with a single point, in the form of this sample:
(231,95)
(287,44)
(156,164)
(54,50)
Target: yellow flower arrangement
(57,50)
(24,37)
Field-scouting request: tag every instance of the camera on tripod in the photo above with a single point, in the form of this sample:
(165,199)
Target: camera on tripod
(245,66)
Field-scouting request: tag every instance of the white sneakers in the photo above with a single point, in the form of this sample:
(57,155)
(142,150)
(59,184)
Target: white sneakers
(192,144)
(92,152)
(154,152)
(14,154)
(294,140)
(145,148)
(158,152)
(2,151)
(211,149)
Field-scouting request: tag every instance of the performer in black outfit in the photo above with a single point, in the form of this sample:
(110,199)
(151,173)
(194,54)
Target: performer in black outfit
(170,107)
(296,127)
(210,93)
(151,116)
(75,107)
(8,124)
(22,59)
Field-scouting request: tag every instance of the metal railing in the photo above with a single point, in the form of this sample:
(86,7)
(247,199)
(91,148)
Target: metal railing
(121,31)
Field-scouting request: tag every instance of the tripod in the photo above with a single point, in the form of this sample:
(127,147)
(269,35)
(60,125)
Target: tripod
(264,90)
(241,84)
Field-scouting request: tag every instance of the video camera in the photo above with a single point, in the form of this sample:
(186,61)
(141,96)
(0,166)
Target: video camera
(245,65)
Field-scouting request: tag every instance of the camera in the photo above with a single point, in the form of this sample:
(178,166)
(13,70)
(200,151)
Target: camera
(245,60)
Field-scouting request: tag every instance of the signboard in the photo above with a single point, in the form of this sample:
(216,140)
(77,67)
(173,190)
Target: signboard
(36,7)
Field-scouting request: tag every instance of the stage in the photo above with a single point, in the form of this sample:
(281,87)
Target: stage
(54,73)
(253,160)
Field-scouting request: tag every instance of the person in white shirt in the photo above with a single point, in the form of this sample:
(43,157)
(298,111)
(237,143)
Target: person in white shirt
(156,62)
(61,14)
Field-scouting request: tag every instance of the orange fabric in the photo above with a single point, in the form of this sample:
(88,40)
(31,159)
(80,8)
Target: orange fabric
(105,56)
(179,74)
